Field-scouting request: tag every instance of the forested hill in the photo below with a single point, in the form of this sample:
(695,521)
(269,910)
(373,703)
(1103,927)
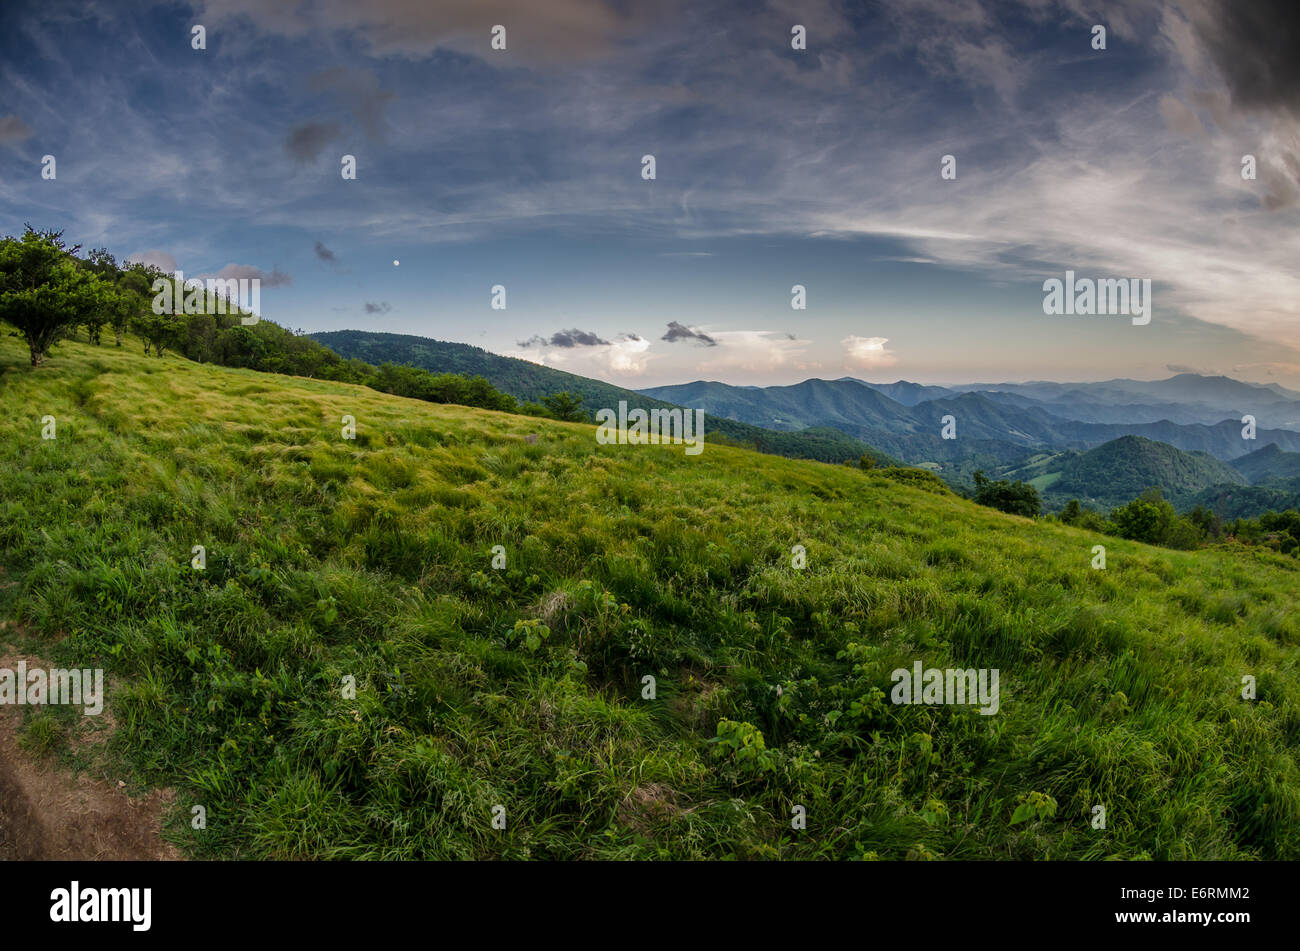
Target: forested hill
(1123,468)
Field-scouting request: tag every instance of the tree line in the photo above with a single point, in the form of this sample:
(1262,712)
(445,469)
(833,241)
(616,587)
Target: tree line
(1149,518)
(50,292)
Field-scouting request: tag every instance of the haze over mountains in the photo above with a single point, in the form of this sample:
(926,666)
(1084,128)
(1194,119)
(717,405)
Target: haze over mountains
(1189,411)
(1101,442)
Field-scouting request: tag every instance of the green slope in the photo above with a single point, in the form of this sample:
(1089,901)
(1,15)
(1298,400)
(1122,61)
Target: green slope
(525,687)
(529,381)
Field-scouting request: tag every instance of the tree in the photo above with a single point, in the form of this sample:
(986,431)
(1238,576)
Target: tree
(94,308)
(1072,512)
(159,331)
(565,406)
(1207,522)
(161,324)
(867,462)
(1146,519)
(130,301)
(43,290)
(1016,498)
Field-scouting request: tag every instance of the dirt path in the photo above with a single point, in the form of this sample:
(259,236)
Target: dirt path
(47,812)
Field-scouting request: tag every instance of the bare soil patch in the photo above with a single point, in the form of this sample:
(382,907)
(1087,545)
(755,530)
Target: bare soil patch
(48,813)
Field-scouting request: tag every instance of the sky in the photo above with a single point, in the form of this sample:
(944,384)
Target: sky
(774,167)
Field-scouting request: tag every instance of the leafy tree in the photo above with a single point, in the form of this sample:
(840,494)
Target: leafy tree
(43,291)
(565,406)
(159,330)
(1207,523)
(1285,527)
(102,263)
(1017,498)
(131,300)
(1148,518)
(94,308)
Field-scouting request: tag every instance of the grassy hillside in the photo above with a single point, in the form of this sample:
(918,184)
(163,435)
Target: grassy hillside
(523,687)
(530,381)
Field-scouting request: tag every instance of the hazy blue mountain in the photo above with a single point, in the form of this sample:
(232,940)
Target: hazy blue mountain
(1186,398)
(909,394)
(530,382)
(1000,420)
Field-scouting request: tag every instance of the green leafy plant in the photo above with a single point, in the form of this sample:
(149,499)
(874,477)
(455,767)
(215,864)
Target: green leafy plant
(1033,805)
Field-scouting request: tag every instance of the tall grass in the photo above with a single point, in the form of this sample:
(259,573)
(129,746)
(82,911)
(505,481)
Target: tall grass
(372,559)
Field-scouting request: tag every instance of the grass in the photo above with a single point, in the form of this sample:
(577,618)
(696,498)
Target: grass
(331,561)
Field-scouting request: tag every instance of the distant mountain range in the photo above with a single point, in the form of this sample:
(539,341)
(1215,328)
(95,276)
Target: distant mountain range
(1014,416)
(1102,443)
(528,381)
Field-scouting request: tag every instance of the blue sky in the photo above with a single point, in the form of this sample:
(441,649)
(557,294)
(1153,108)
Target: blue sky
(774,167)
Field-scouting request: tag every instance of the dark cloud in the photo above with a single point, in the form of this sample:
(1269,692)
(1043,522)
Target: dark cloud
(13,129)
(566,339)
(576,338)
(1256,46)
(382,307)
(678,331)
(325,254)
(307,140)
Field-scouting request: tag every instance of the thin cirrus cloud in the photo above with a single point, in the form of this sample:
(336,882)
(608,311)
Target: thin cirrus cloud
(1123,162)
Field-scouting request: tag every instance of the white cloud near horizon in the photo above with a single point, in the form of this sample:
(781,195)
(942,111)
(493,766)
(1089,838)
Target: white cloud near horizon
(867,353)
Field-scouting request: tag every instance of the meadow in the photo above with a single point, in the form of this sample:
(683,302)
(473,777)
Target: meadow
(331,561)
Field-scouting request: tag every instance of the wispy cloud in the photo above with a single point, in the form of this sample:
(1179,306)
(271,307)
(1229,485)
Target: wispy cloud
(1124,162)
